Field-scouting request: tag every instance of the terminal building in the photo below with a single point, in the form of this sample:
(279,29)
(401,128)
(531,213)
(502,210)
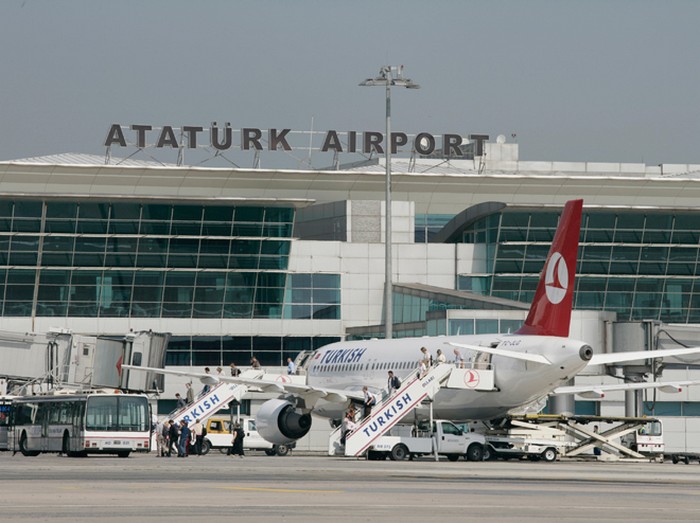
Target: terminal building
(268,262)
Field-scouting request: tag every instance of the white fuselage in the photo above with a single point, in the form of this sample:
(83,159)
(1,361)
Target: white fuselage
(351,365)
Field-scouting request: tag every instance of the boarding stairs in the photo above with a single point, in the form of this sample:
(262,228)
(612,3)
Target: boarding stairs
(394,408)
(207,404)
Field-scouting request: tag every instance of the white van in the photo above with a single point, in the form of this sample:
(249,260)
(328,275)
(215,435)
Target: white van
(219,431)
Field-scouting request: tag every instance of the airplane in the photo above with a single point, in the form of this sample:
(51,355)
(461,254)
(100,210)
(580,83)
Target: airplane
(529,365)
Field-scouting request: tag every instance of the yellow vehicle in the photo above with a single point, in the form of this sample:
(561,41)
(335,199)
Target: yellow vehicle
(218,436)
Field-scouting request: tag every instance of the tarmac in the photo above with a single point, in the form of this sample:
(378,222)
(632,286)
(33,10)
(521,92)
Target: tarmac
(306,487)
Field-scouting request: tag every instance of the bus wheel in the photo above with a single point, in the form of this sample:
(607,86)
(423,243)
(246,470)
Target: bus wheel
(123,453)
(23,446)
(65,448)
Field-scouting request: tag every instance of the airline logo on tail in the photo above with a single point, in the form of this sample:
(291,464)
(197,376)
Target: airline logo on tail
(556,279)
(550,312)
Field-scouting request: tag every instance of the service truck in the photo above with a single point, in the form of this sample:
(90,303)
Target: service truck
(445,439)
(219,431)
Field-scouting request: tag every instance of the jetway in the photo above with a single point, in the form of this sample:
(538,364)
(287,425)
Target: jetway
(36,362)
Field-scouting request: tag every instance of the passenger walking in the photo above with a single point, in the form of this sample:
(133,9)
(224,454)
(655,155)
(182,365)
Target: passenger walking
(459,359)
(173,436)
(291,368)
(254,363)
(392,383)
(198,431)
(161,438)
(180,401)
(426,357)
(207,387)
(369,402)
(441,357)
(184,439)
(189,395)
(235,371)
(347,426)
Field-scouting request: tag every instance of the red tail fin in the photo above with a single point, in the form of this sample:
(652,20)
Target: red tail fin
(550,312)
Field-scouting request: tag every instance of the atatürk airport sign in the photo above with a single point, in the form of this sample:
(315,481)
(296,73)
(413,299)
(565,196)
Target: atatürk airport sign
(221,138)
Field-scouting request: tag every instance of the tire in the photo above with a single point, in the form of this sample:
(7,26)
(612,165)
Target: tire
(123,453)
(686,460)
(270,452)
(399,452)
(674,458)
(489,453)
(453,457)
(475,452)
(282,450)
(23,446)
(373,455)
(549,454)
(206,447)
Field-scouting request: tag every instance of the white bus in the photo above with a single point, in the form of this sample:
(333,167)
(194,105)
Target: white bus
(81,424)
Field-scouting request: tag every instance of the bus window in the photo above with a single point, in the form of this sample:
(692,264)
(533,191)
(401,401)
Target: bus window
(101,413)
(133,414)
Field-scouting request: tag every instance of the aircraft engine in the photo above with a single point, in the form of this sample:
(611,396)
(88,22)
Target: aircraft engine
(280,422)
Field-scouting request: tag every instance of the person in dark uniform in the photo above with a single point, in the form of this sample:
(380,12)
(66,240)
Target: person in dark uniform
(174,434)
(237,440)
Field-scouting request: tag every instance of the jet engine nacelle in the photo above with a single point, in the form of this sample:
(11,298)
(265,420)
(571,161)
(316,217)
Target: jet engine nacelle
(280,422)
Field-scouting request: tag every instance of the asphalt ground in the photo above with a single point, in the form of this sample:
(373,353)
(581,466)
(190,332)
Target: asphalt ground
(303,487)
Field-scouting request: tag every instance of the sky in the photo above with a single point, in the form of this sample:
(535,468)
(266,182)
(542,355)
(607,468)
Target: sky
(594,80)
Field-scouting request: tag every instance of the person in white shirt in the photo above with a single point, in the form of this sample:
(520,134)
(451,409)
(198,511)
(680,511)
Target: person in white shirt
(291,368)
(459,359)
(370,401)
(198,432)
(441,357)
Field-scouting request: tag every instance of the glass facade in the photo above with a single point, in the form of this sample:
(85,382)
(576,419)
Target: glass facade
(161,260)
(428,225)
(148,260)
(642,264)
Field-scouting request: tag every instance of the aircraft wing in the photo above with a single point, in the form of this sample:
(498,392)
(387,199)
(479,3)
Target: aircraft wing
(598,391)
(267,382)
(617,357)
(536,358)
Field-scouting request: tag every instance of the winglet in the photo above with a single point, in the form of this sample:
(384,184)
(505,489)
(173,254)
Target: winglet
(550,312)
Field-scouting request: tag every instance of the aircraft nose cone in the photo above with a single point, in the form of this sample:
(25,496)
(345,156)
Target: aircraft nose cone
(586,353)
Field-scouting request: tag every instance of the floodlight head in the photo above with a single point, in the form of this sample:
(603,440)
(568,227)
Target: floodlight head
(386,79)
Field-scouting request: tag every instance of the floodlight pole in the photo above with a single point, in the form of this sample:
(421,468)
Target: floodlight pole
(386,78)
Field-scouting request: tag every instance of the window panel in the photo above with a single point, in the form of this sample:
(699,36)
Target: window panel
(126,211)
(153,245)
(61,210)
(155,228)
(191,213)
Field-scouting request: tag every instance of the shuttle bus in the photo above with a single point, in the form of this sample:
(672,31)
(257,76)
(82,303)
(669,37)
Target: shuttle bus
(81,424)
